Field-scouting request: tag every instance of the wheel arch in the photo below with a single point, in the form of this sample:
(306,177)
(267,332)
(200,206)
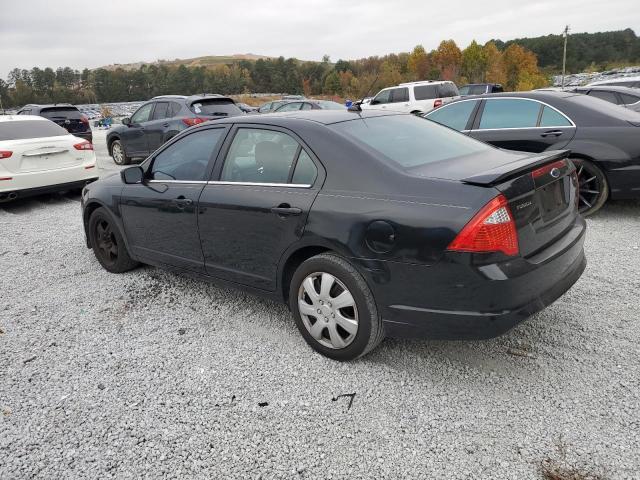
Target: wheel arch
(293,260)
(110,143)
(91,206)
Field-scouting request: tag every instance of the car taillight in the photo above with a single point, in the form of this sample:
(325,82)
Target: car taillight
(193,121)
(83,146)
(492,229)
(542,171)
(5,154)
(437,103)
(84,120)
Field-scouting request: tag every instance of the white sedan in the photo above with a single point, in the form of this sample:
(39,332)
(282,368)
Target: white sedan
(38,156)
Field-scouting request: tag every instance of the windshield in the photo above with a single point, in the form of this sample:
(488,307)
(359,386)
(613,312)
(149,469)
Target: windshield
(219,107)
(409,141)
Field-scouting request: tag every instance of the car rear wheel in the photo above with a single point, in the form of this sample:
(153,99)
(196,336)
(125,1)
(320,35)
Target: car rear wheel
(594,189)
(108,245)
(118,155)
(334,308)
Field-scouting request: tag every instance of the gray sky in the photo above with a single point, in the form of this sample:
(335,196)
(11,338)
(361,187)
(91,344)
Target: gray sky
(91,33)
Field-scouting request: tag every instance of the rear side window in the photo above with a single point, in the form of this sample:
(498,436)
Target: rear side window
(218,107)
(306,171)
(400,95)
(447,90)
(61,112)
(454,115)
(606,96)
(260,156)
(510,113)
(552,118)
(425,92)
(21,130)
(409,141)
(173,109)
(628,99)
(186,159)
(289,107)
(160,111)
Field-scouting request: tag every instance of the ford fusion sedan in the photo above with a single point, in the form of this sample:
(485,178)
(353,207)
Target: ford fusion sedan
(38,156)
(602,137)
(365,224)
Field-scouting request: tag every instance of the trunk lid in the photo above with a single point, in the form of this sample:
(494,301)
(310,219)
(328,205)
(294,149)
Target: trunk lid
(40,154)
(542,194)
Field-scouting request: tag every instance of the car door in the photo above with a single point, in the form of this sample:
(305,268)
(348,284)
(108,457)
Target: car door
(157,125)
(160,214)
(134,137)
(257,204)
(380,101)
(522,124)
(456,115)
(399,100)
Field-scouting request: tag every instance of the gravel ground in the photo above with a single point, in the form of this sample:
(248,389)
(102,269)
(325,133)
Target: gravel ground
(150,374)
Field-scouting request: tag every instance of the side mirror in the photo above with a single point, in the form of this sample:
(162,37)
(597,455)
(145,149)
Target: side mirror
(126,121)
(132,175)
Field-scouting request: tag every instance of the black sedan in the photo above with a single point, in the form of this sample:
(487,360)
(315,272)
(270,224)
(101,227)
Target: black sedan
(624,96)
(366,224)
(603,138)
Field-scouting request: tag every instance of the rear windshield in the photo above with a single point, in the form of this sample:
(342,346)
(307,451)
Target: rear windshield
(61,112)
(605,108)
(20,130)
(473,90)
(409,141)
(220,107)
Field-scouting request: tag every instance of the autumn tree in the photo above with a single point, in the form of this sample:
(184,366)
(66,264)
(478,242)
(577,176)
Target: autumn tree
(448,59)
(418,64)
(474,63)
(521,69)
(494,70)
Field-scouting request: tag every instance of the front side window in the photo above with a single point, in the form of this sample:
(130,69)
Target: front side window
(188,158)
(306,106)
(383,97)
(553,118)
(260,156)
(265,108)
(510,113)
(454,115)
(143,114)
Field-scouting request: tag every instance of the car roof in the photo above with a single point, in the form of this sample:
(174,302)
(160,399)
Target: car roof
(611,88)
(49,105)
(22,118)
(422,82)
(324,117)
(628,78)
(537,95)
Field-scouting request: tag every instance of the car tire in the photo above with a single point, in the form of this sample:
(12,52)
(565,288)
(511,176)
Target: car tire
(108,244)
(593,186)
(118,154)
(321,322)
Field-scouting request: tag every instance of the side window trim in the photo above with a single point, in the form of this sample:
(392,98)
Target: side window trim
(216,171)
(147,165)
(476,122)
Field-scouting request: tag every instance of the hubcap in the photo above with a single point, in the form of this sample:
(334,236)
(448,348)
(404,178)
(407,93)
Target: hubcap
(328,310)
(590,187)
(107,243)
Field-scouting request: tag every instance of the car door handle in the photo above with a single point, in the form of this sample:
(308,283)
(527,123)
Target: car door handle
(284,209)
(182,202)
(165,124)
(552,133)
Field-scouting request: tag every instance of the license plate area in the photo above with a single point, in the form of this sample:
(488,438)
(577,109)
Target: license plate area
(553,199)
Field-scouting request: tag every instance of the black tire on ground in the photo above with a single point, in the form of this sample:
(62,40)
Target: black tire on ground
(118,154)
(594,188)
(107,243)
(370,330)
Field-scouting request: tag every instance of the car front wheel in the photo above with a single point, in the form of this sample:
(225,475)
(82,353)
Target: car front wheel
(107,243)
(334,308)
(118,155)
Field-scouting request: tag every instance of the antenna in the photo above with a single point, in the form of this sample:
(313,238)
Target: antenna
(356,106)
(565,34)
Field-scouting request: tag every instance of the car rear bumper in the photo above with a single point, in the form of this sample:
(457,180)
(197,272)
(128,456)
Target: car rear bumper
(6,196)
(456,300)
(19,185)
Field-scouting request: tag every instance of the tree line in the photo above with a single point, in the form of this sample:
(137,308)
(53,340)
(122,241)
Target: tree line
(512,65)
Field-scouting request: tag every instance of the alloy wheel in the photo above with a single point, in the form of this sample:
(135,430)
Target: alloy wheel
(117,153)
(106,242)
(590,187)
(328,310)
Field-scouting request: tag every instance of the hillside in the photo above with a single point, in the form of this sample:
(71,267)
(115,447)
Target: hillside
(205,61)
(585,51)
